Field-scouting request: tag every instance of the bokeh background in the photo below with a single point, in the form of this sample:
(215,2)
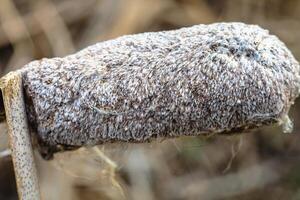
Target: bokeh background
(260,164)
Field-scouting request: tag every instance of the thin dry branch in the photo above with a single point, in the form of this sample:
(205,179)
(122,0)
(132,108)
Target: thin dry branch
(19,137)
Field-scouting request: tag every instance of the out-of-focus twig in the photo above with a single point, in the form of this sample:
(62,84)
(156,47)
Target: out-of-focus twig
(70,11)
(190,187)
(134,16)
(15,30)
(4,153)
(12,22)
(54,28)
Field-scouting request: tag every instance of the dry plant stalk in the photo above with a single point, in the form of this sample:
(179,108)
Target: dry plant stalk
(19,137)
(218,78)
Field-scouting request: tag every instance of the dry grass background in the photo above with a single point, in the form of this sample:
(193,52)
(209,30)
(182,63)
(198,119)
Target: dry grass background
(263,164)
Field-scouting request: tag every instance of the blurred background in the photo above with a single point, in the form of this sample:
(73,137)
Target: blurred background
(261,164)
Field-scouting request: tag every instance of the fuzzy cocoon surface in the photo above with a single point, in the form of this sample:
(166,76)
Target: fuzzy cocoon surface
(213,78)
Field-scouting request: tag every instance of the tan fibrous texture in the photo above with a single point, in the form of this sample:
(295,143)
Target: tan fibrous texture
(203,79)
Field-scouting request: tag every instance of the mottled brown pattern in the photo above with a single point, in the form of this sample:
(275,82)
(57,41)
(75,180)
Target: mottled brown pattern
(203,79)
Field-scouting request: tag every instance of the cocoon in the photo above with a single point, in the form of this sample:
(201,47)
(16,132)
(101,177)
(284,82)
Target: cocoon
(217,78)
